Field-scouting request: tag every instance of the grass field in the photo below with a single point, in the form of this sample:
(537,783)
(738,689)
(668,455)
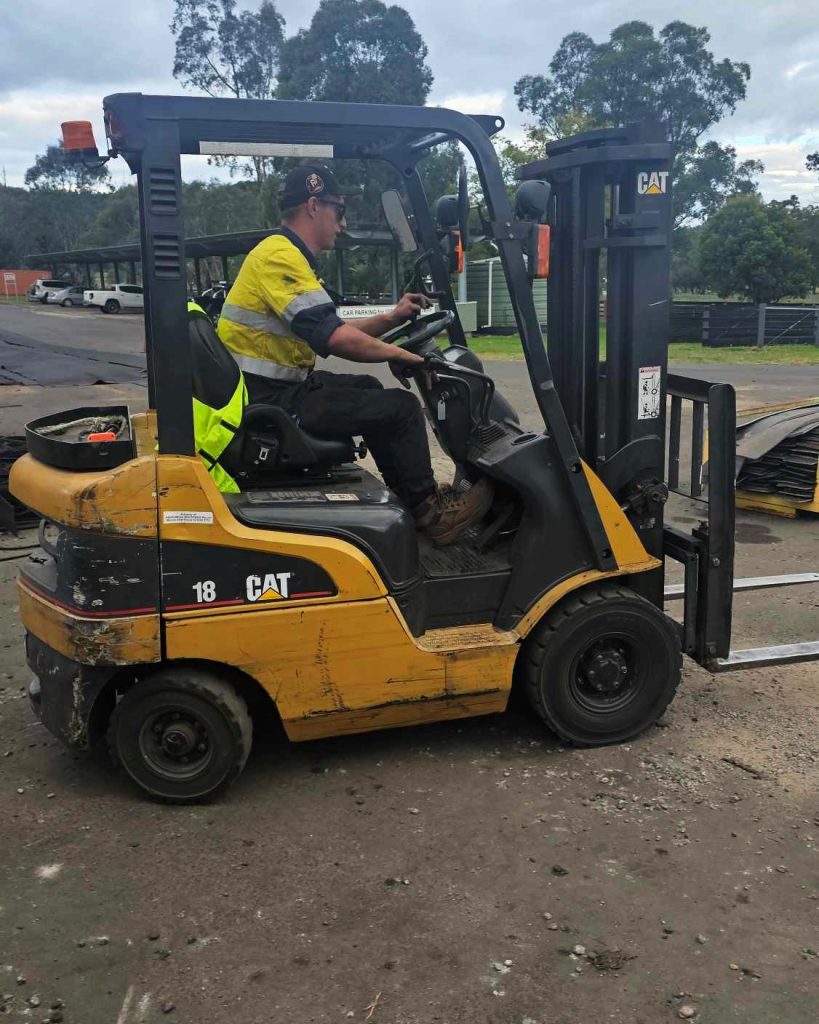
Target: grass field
(494,346)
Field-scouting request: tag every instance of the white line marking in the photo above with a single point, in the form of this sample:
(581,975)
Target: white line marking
(126,1006)
(143,1007)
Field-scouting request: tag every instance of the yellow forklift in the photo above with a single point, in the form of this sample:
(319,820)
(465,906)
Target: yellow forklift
(161,612)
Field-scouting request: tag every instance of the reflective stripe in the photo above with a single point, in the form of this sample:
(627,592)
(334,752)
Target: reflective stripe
(307,300)
(264,368)
(250,318)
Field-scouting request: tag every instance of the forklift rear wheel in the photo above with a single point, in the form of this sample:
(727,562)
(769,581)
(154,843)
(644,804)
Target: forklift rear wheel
(602,666)
(182,734)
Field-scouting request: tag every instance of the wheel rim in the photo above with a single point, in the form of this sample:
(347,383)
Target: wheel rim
(607,675)
(175,743)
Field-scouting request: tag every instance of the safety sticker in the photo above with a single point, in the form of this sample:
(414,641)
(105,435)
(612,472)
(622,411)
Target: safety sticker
(203,518)
(340,496)
(648,393)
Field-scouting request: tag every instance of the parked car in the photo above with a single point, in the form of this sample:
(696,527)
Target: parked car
(114,298)
(72,295)
(43,287)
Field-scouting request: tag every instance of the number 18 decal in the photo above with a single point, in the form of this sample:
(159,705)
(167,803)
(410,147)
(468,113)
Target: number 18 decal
(205,591)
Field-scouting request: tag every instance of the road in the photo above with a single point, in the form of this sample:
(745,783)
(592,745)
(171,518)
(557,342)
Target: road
(464,873)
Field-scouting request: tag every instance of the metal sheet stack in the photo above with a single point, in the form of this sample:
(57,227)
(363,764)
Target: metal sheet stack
(778,454)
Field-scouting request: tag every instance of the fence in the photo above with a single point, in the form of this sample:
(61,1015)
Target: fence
(718,325)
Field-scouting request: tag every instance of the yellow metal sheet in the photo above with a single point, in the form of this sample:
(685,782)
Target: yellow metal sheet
(119,500)
(184,486)
(129,640)
(346,657)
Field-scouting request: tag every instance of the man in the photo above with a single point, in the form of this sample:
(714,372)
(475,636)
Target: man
(278,317)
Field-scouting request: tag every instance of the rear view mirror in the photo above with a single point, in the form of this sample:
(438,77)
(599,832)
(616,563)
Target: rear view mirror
(396,218)
(445,211)
(532,200)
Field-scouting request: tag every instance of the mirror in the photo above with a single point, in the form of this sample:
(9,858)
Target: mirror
(396,217)
(445,211)
(532,200)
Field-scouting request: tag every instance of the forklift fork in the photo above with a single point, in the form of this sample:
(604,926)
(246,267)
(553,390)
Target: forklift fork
(707,553)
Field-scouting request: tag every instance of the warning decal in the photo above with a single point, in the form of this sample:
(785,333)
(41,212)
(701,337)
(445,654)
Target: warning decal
(648,393)
(203,518)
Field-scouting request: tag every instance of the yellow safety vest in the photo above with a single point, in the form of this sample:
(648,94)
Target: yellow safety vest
(276,283)
(219,397)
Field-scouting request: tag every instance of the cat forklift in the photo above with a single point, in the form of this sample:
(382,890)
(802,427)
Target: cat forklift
(165,615)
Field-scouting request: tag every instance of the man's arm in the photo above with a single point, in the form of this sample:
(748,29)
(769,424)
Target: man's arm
(349,342)
(410,305)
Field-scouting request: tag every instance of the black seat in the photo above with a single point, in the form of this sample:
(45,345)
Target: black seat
(272,439)
(269,442)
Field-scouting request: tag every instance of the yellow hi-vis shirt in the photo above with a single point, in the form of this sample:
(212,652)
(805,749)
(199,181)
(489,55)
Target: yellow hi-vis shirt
(277,315)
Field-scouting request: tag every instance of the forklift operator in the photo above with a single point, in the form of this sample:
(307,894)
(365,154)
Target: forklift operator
(278,316)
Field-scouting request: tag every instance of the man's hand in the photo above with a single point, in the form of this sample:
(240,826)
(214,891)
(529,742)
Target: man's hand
(404,369)
(409,306)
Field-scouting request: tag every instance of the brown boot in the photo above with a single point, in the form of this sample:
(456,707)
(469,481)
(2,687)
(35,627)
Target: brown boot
(444,515)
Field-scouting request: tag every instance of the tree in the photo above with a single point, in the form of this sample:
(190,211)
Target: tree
(812,162)
(750,249)
(686,272)
(637,76)
(356,51)
(709,176)
(222,53)
(806,219)
(54,169)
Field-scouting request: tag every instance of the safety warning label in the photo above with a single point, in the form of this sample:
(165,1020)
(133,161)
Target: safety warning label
(648,393)
(202,518)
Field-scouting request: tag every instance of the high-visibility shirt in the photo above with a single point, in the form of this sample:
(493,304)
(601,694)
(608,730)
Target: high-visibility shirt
(219,400)
(278,315)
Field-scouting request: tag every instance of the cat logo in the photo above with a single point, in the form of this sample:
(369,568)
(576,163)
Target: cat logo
(274,586)
(315,184)
(652,183)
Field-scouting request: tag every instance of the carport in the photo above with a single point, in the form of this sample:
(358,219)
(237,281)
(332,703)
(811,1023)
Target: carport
(235,243)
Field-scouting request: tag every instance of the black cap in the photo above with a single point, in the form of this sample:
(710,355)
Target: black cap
(308,180)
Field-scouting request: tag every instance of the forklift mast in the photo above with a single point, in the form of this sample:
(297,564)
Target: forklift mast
(611,214)
(611,225)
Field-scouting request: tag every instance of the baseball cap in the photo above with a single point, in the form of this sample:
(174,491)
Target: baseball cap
(308,180)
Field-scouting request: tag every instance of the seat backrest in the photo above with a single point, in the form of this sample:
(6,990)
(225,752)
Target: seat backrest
(215,373)
(269,439)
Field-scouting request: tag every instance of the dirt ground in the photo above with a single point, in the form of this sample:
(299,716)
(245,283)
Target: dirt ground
(458,873)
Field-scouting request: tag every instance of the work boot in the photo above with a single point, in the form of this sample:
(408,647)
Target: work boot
(446,513)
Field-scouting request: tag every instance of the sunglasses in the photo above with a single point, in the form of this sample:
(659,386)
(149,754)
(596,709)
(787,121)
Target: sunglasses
(341,208)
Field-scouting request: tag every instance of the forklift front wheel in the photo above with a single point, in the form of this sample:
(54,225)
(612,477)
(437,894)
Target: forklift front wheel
(602,666)
(182,734)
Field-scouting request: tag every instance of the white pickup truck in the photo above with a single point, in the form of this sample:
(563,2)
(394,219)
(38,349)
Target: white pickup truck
(115,298)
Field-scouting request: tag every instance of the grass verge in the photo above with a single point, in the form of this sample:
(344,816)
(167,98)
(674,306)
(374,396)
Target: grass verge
(496,346)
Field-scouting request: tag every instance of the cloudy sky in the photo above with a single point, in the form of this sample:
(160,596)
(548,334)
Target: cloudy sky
(57,61)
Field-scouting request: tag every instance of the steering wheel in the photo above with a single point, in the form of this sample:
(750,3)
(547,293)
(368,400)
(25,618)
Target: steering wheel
(413,335)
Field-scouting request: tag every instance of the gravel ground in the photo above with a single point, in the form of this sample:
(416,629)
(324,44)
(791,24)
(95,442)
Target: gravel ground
(458,873)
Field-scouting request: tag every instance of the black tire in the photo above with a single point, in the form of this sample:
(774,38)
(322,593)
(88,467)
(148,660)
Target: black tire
(601,666)
(180,713)
(67,303)
(111,306)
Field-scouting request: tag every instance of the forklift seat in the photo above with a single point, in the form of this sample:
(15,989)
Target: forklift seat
(272,439)
(269,441)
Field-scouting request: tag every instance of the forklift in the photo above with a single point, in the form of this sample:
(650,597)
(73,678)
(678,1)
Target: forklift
(166,616)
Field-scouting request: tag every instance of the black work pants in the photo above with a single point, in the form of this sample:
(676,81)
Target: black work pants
(342,404)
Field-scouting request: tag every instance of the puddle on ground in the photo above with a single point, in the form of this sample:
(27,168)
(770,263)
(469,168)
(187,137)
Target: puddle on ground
(756,533)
